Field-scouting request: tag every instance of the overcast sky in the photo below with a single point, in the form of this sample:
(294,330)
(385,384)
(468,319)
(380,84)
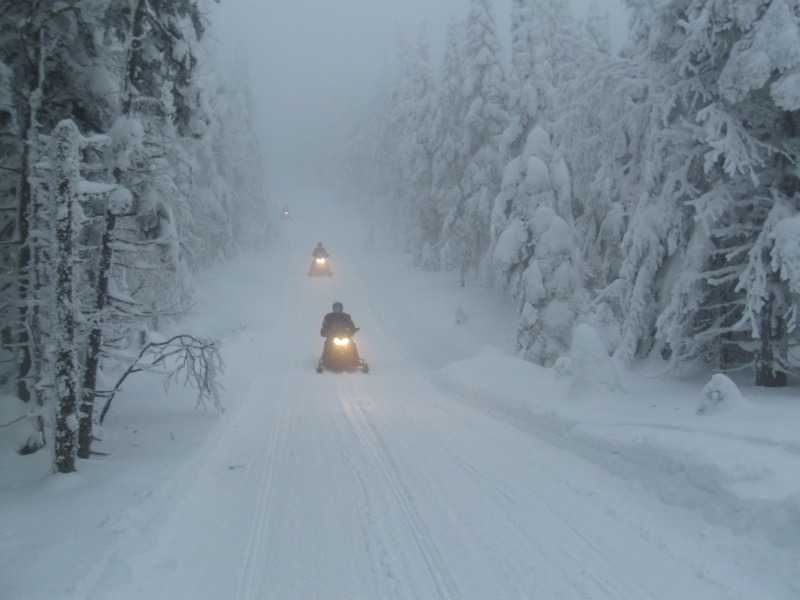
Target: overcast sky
(307,56)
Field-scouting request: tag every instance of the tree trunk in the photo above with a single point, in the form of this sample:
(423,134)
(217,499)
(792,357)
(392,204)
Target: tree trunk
(132,63)
(768,372)
(24,274)
(28,311)
(28,357)
(65,156)
(86,424)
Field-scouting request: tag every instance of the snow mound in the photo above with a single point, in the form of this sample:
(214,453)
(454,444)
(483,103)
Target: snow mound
(490,352)
(732,470)
(563,368)
(492,380)
(591,366)
(720,393)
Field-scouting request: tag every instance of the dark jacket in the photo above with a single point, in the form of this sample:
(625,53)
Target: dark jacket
(319,252)
(337,323)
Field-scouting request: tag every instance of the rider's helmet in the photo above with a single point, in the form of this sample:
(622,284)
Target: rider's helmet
(337,307)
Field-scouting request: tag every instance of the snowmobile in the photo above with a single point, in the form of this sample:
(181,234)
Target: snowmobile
(320,267)
(340,353)
(285,215)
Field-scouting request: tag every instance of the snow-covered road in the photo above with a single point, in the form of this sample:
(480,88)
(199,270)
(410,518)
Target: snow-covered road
(379,486)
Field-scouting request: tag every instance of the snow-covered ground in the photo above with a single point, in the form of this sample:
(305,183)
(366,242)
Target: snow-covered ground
(451,470)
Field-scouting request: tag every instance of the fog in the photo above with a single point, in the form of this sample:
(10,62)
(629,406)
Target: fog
(309,59)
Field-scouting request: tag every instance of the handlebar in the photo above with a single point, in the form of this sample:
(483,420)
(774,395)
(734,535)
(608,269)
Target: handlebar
(335,332)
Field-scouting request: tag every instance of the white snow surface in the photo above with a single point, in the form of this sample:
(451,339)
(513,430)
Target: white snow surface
(452,470)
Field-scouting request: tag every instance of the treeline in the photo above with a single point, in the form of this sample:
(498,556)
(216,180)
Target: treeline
(651,193)
(127,162)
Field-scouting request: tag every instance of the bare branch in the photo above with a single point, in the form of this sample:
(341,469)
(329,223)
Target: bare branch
(14,421)
(195,362)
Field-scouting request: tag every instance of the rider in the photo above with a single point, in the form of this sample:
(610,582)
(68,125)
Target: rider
(334,322)
(319,251)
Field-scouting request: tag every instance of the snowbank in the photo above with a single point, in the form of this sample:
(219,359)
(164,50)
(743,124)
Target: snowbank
(737,467)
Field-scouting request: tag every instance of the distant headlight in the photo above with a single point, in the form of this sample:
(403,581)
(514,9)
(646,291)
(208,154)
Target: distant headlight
(321,261)
(341,341)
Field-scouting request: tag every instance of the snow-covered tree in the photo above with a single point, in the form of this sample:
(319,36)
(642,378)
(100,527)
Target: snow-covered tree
(53,67)
(598,26)
(485,117)
(449,156)
(238,155)
(409,137)
(535,196)
(425,222)
(672,167)
(534,253)
(128,70)
(729,73)
(524,93)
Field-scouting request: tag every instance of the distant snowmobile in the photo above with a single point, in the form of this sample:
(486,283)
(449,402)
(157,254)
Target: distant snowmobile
(320,267)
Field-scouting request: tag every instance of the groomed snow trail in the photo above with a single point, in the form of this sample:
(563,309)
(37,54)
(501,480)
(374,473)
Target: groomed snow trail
(353,486)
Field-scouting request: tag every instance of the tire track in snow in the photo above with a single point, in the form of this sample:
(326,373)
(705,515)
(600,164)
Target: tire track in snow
(376,451)
(251,578)
(271,461)
(596,565)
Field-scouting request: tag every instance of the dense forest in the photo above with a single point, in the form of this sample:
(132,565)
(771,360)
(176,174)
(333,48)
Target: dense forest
(127,162)
(651,193)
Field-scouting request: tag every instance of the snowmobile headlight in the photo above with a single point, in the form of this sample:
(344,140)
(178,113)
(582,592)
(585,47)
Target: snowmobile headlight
(320,261)
(341,341)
